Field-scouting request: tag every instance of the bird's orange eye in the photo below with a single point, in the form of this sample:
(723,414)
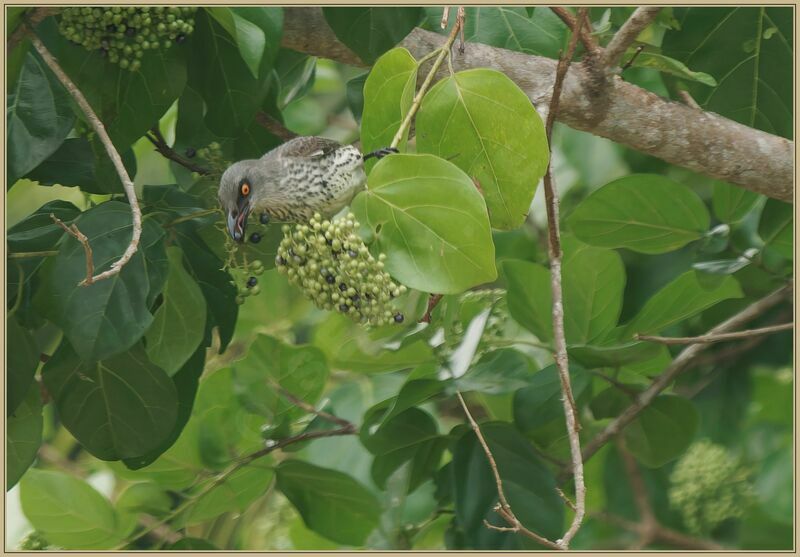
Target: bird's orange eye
(245,189)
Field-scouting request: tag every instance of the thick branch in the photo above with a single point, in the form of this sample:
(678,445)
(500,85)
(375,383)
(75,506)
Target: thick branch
(639,20)
(706,339)
(701,141)
(678,365)
(100,130)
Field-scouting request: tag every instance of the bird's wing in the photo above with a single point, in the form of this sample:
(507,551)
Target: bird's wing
(309,147)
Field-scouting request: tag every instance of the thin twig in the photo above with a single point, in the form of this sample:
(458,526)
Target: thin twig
(705,339)
(584,31)
(433,301)
(633,58)
(661,533)
(559,338)
(29,254)
(73,231)
(679,364)
(100,130)
(168,152)
(274,126)
(445,17)
(688,99)
(310,408)
(619,43)
(444,51)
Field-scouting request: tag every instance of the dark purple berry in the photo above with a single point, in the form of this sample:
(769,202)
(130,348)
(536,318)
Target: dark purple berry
(264,218)
(329,242)
(111,28)
(280,260)
(330,279)
(180,38)
(130,32)
(398,317)
(251,282)
(342,287)
(255,237)
(343,308)
(191,152)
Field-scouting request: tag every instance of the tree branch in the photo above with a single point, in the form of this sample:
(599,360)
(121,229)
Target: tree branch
(706,339)
(100,130)
(622,112)
(639,20)
(660,533)
(584,31)
(168,152)
(29,21)
(678,365)
(274,126)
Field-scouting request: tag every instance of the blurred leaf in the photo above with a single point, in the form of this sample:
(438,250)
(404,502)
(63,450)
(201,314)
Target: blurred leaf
(191,544)
(486,125)
(68,512)
(331,503)
(99,402)
(754,74)
(430,221)
(773,486)
(23,435)
(609,403)
(539,403)
(662,431)
(775,227)
(145,497)
(355,95)
(179,322)
(371,31)
(405,429)
(614,354)
(680,299)
(21,364)
(498,372)
(665,64)
(421,385)
(529,296)
(642,212)
(249,37)
(388,93)
(39,118)
(295,72)
(731,203)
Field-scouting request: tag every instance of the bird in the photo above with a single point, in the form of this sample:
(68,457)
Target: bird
(292,182)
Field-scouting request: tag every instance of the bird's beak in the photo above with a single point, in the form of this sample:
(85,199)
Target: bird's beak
(237,220)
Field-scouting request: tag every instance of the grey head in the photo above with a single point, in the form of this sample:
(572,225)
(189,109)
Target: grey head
(247,186)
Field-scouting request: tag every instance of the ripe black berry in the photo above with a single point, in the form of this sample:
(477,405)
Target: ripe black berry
(191,152)
(264,218)
(343,308)
(180,38)
(251,282)
(255,237)
(330,279)
(398,318)
(280,260)
(343,287)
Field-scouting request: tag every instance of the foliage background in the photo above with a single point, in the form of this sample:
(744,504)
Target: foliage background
(423,484)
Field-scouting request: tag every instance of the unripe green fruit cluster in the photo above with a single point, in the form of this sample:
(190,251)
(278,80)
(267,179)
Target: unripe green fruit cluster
(124,34)
(335,270)
(35,541)
(249,286)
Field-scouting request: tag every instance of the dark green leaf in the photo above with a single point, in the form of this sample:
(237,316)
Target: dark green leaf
(609,403)
(369,32)
(665,64)
(642,212)
(121,407)
(529,296)
(680,299)
(37,231)
(539,404)
(331,503)
(191,544)
(425,460)
(614,354)
(731,203)
(23,435)
(498,372)
(39,118)
(355,95)
(468,118)
(296,73)
(775,226)
(430,221)
(21,365)
(250,38)
(406,429)
(662,431)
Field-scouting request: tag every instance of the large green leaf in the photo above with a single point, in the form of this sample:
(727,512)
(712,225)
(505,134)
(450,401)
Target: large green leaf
(642,212)
(68,512)
(530,488)
(39,118)
(775,226)
(498,372)
(731,203)
(530,297)
(388,93)
(430,221)
(295,73)
(331,503)
(250,38)
(483,122)
(663,430)
(539,404)
(406,429)
(301,370)
(371,31)
(179,323)
(755,73)
(23,435)
(680,299)
(108,316)
(21,365)
(121,407)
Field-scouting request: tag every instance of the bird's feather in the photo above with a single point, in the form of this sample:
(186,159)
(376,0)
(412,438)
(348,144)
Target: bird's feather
(309,147)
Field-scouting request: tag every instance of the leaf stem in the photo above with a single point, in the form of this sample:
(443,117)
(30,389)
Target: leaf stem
(28,254)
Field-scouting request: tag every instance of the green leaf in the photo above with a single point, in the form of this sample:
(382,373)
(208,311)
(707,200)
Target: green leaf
(191,544)
(498,372)
(483,122)
(369,32)
(614,355)
(539,404)
(179,322)
(388,93)
(731,203)
(39,118)
(755,84)
(530,488)
(425,459)
(37,231)
(775,227)
(665,64)
(68,512)
(662,431)
(21,365)
(295,73)
(430,221)
(420,385)
(249,37)
(121,407)
(355,95)
(108,316)
(23,435)
(331,503)
(145,497)
(680,299)
(301,370)
(529,297)
(236,493)
(642,212)
(406,429)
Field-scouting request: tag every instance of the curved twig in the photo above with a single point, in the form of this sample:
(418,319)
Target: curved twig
(639,20)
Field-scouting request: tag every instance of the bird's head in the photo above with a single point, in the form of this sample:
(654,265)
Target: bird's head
(238,194)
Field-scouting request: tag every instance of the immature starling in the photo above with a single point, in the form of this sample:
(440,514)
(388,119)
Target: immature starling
(305,175)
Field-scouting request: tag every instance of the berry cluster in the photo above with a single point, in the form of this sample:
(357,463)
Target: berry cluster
(213,156)
(470,304)
(124,34)
(709,486)
(250,286)
(334,268)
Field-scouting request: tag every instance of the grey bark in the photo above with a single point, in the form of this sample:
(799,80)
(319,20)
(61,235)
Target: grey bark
(609,107)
